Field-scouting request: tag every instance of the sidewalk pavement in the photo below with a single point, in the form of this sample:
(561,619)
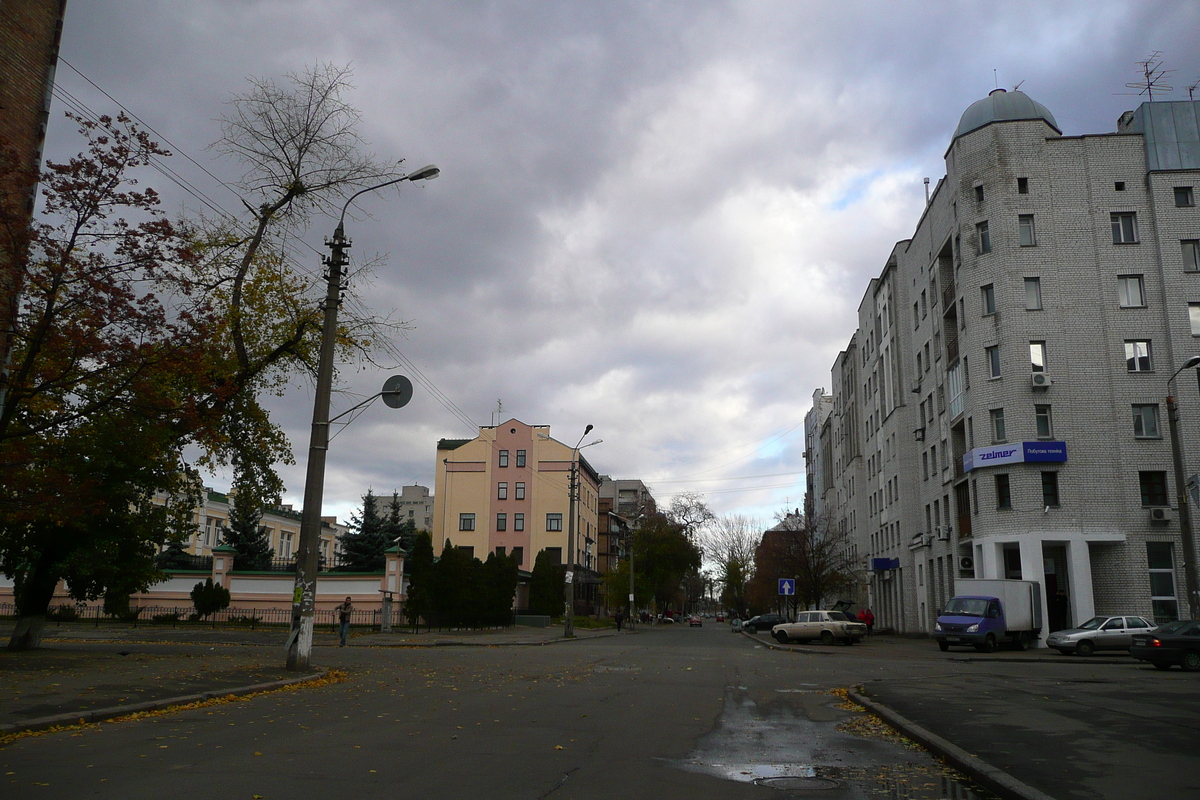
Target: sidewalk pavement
(89,673)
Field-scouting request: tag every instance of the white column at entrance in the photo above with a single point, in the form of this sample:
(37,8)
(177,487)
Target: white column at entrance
(1033,569)
(1079,578)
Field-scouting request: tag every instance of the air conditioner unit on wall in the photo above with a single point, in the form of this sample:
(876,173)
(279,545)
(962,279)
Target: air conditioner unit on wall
(1161,515)
(1040,380)
(966,562)
(943,533)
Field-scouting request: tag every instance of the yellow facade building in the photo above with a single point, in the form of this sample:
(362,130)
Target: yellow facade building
(508,491)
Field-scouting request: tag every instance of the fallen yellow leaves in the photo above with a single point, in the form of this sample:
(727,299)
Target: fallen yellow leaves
(331,677)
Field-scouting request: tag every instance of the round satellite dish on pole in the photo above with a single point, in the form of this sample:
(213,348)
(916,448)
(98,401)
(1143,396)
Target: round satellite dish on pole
(397,391)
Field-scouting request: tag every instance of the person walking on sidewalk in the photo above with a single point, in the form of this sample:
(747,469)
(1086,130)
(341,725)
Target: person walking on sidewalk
(867,618)
(620,618)
(344,612)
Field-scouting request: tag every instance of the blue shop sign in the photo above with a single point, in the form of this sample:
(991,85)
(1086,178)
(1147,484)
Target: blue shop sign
(885,563)
(1016,453)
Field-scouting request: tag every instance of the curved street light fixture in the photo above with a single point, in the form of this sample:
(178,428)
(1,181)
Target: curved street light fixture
(304,594)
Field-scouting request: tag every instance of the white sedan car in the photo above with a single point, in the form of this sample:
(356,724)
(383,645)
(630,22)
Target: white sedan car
(828,626)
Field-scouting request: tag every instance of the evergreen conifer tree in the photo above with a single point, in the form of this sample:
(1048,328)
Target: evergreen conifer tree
(499,585)
(246,535)
(546,586)
(364,545)
(420,590)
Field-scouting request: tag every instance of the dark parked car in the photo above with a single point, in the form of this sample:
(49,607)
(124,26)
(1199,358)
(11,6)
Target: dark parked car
(1173,643)
(763,622)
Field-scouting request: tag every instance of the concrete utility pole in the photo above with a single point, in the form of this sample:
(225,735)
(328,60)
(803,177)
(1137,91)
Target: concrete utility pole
(1185,516)
(304,595)
(569,584)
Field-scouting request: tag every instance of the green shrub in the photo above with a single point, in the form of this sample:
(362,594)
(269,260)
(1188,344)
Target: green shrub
(63,613)
(173,617)
(209,597)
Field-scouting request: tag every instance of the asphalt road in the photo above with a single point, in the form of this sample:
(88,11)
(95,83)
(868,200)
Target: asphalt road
(666,713)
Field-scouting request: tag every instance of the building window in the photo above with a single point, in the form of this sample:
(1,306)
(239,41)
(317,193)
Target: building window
(1050,489)
(993,361)
(1161,562)
(502,491)
(518,522)
(501,551)
(554,522)
(1137,356)
(520,458)
(520,490)
(502,522)
(988,297)
(554,555)
(1045,423)
(1025,229)
(1003,492)
(979,194)
(985,238)
(1194,318)
(916,317)
(1191,254)
(1124,227)
(925,466)
(1131,291)
(466,522)
(1033,294)
(1184,197)
(1022,185)
(518,555)
(503,458)
(1145,421)
(1037,356)
(469,550)
(1154,488)
(998,432)
(1119,186)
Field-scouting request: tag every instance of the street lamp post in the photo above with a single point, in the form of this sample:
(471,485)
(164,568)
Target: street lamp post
(569,583)
(304,594)
(1185,517)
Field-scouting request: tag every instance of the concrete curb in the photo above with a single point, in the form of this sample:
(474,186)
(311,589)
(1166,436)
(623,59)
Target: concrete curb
(770,644)
(102,714)
(991,778)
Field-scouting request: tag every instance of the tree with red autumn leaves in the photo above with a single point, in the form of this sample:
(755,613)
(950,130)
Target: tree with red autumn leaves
(138,337)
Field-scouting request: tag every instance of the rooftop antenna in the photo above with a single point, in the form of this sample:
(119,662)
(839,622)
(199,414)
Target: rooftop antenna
(927,191)
(995,79)
(1153,77)
(498,413)
(1018,86)
(1191,89)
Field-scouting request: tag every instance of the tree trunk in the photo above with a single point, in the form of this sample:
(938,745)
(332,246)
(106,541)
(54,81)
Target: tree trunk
(28,633)
(32,594)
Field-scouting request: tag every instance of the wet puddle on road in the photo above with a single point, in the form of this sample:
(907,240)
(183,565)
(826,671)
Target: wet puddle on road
(802,746)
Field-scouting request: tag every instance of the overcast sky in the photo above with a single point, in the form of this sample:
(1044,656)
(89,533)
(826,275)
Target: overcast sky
(657,218)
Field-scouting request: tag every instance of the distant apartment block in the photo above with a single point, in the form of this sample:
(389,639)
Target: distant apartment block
(1000,411)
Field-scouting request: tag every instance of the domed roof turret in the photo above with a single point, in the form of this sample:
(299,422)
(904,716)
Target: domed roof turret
(1003,106)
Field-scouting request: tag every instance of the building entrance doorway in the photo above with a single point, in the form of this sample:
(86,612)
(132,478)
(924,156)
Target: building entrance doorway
(1058,600)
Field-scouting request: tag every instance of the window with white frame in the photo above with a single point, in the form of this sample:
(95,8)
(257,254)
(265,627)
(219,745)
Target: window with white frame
(1161,563)
(1137,356)
(988,299)
(1131,291)
(984,237)
(1025,230)
(1044,422)
(554,522)
(1194,318)
(999,434)
(1037,356)
(1191,254)
(466,522)
(1033,294)
(502,490)
(1124,227)
(1145,421)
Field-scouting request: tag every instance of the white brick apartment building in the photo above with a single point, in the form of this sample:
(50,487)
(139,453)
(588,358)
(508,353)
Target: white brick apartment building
(1001,409)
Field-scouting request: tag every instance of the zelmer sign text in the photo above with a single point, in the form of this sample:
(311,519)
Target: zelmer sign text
(1016,453)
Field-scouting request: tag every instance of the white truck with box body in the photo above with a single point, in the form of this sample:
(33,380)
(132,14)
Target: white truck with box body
(983,613)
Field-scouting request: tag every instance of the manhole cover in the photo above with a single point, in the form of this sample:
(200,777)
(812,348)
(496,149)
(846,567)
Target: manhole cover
(789,783)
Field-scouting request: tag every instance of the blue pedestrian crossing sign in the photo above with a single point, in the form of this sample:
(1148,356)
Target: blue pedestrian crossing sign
(787,586)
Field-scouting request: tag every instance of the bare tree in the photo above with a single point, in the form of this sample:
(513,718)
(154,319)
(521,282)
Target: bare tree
(689,510)
(729,543)
(811,550)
